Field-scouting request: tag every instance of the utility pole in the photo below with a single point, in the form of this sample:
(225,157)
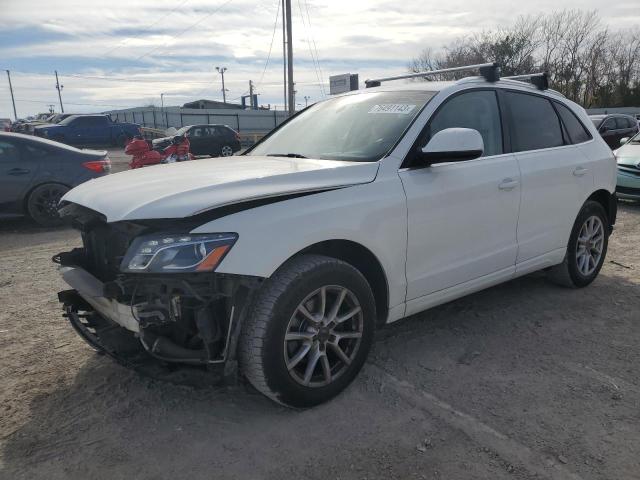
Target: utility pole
(306,101)
(59,88)
(12,99)
(221,71)
(253,107)
(292,101)
(284,53)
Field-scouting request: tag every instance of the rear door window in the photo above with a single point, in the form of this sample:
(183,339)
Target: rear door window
(609,124)
(574,127)
(535,124)
(621,123)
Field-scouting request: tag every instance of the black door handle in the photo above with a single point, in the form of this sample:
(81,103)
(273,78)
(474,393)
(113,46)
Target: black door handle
(18,171)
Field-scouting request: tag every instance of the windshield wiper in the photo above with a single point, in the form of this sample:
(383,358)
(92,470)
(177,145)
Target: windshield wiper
(289,155)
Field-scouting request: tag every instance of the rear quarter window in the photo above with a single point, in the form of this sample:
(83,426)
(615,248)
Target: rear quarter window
(576,130)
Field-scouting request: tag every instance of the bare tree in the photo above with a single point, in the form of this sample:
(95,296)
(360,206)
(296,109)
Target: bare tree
(586,62)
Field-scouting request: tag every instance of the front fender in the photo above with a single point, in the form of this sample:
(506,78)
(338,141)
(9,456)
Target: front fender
(373,215)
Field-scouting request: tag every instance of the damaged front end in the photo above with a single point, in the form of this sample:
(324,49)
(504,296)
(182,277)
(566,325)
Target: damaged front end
(142,291)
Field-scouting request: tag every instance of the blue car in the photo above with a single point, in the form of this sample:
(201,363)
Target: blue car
(35,173)
(88,130)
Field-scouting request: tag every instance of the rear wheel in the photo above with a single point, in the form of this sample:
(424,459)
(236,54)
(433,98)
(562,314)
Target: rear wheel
(309,331)
(42,204)
(226,151)
(586,250)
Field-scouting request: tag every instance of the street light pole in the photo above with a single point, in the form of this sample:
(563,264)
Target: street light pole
(12,99)
(162,112)
(306,101)
(221,71)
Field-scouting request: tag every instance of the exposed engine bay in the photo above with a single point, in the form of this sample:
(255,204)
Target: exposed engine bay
(177,318)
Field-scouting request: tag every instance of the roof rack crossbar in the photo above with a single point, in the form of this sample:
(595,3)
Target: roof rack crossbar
(490,71)
(539,80)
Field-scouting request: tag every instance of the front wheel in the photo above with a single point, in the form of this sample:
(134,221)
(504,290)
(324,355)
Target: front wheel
(42,204)
(308,332)
(586,250)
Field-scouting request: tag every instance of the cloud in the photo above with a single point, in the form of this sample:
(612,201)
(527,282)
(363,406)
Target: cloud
(136,49)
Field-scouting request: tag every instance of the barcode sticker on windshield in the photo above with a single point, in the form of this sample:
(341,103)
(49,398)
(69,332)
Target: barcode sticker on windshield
(402,108)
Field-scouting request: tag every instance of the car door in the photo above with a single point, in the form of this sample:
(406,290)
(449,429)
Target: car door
(608,131)
(556,176)
(196,141)
(462,216)
(16,174)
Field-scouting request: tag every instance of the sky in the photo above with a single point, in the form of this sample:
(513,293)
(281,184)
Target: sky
(126,53)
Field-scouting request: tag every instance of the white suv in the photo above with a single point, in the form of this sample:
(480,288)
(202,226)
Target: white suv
(358,211)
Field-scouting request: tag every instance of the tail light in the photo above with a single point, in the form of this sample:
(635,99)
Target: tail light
(100,166)
(237,136)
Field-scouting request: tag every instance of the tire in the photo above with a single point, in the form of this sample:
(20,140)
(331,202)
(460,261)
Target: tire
(265,355)
(42,204)
(226,151)
(574,272)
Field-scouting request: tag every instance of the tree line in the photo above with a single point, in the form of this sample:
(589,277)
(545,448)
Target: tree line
(586,61)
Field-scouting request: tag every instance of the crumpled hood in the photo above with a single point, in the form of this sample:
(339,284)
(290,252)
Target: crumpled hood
(183,189)
(628,154)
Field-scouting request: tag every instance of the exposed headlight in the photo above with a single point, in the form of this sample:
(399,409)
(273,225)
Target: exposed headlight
(172,253)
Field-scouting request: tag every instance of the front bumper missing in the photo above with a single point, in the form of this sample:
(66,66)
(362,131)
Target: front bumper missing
(109,338)
(92,291)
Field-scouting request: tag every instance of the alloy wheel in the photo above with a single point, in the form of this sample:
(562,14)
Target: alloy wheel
(590,245)
(226,151)
(44,206)
(323,336)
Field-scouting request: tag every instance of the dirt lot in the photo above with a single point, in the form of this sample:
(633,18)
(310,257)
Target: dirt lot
(525,380)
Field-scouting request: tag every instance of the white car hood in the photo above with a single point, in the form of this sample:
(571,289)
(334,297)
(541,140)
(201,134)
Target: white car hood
(183,189)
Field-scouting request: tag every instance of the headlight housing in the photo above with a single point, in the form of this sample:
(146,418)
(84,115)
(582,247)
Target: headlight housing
(177,253)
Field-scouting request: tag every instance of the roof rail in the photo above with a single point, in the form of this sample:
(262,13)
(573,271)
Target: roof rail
(539,80)
(490,71)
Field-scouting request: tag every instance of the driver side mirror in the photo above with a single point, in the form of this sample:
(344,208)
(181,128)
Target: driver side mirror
(453,145)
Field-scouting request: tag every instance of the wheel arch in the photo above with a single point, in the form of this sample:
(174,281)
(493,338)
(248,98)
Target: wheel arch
(608,202)
(364,260)
(25,199)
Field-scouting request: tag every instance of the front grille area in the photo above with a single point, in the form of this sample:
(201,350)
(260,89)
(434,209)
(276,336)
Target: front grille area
(629,170)
(105,246)
(628,190)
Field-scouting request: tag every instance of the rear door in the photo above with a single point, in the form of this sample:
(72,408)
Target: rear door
(16,174)
(556,176)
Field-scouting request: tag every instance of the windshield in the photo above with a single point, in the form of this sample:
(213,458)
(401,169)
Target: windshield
(597,121)
(67,120)
(182,131)
(360,127)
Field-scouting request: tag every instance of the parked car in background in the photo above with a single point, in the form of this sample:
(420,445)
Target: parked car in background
(89,129)
(628,158)
(360,210)
(35,173)
(5,124)
(213,140)
(614,127)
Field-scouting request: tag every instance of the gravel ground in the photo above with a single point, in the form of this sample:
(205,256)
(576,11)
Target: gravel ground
(525,380)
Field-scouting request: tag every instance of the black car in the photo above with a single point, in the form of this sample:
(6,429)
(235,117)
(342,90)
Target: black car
(213,140)
(35,173)
(615,126)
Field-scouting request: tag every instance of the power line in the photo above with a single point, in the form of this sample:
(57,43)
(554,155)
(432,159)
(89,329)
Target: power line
(306,4)
(313,60)
(173,37)
(147,28)
(273,36)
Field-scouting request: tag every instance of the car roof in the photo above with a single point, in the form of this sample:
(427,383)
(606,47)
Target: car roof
(43,141)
